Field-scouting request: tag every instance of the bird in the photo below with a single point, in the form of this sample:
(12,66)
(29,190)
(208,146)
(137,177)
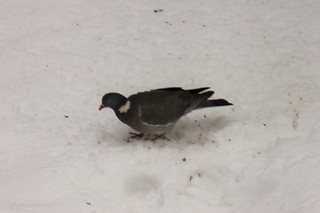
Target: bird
(158,110)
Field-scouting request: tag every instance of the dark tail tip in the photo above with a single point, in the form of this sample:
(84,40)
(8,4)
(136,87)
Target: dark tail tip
(214,103)
(220,102)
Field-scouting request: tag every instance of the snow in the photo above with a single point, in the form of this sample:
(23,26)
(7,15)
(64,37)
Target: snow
(60,154)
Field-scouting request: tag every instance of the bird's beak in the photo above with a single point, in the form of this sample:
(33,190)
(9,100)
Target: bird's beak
(101,107)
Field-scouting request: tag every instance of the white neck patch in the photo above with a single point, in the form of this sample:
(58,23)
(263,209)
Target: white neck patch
(124,108)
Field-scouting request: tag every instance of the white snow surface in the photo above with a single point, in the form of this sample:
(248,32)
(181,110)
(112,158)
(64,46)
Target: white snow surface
(60,154)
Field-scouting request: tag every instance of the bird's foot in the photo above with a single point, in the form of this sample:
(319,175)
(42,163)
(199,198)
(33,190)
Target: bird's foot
(136,135)
(159,136)
(147,137)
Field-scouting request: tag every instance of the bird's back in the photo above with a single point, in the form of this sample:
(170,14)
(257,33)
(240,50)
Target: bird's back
(166,106)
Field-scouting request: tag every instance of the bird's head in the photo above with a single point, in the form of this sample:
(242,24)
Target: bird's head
(113,101)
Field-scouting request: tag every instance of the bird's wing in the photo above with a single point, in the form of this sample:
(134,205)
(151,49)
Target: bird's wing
(175,89)
(169,89)
(160,107)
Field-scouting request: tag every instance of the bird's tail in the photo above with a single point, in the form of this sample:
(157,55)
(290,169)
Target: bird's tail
(213,103)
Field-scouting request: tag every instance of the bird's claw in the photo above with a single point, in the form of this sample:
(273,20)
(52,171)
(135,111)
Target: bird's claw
(136,135)
(152,137)
(161,136)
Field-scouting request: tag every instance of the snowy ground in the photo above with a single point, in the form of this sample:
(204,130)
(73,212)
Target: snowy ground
(59,154)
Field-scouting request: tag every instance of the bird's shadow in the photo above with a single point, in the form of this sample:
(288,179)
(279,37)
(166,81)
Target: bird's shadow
(187,131)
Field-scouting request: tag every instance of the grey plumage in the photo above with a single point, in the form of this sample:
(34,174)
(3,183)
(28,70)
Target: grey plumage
(158,110)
